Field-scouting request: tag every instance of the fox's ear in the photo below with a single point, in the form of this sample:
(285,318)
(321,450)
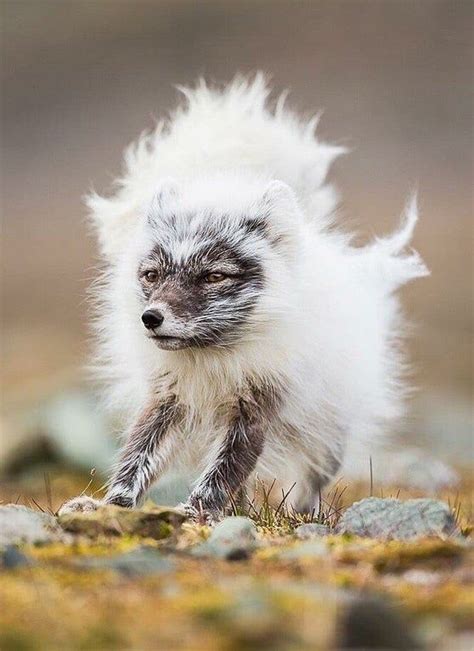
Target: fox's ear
(279,198)
(279,211)
(167,191)
(115,218)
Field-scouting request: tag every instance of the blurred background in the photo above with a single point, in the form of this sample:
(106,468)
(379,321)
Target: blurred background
(81,79)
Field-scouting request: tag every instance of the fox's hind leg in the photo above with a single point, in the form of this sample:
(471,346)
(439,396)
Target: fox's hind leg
(310,497)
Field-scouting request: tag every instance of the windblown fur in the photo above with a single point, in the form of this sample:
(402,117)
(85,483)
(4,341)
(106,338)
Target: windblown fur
(300,339)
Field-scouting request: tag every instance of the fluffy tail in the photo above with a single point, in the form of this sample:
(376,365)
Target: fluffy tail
(393,266)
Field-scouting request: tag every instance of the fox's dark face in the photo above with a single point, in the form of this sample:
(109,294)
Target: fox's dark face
(202,298)
(203,272)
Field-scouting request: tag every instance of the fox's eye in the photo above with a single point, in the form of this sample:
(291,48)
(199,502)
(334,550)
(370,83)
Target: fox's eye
(150,276)
(215,277)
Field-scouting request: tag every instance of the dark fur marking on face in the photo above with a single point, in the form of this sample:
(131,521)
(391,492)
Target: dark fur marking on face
(213,313)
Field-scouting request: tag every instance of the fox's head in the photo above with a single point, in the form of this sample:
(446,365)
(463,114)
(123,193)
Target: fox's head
(212,260)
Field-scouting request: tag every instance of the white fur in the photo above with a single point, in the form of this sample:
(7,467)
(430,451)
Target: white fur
(328,325)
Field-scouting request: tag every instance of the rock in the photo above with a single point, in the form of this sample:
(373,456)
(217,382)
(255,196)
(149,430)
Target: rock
(415,468)
(308,549)
(370,622)
(235,538)
(66,425)
(312,530)
(18,524)
(392,519)
(139,562)
(11,558)
(464,575)
(79,431)
(422,577)
(150,522)
(171,490)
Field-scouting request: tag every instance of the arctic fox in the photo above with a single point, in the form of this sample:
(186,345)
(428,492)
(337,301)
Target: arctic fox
(241,335)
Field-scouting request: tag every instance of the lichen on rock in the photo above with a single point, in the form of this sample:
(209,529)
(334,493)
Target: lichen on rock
(19,524)
(393,519)
(150,522)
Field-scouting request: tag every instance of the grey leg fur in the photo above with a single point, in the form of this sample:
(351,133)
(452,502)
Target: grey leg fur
(148,449)
(235,460)
(309,503)
(143,456)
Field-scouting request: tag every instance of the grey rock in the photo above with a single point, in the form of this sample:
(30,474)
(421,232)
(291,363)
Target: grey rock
(422,577)
(18,524)
(308,549)
(68,425)
(11,558)
(235,538)
(172,489)
(371,622)
(79,430)
(392,519)
(312,530)
(415,468)
(139,562)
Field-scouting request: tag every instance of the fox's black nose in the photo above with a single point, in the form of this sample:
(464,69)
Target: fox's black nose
(152,319)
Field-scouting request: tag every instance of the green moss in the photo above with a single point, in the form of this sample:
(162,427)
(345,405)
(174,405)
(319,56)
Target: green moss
(266,602)
(83,546)
(100,638)
(344,579)
(16,640)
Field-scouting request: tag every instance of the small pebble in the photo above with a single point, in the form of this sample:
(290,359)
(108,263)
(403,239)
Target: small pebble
(139,562)
(235,538)
(422,577)
(11,558)
(308,549)
(312,530)
(372,622)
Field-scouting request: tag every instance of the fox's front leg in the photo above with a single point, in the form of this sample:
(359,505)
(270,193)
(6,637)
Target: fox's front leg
(235,460)
(143,458)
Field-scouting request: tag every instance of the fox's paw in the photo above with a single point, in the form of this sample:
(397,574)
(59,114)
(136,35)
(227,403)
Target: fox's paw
(200,516)
(82,504)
